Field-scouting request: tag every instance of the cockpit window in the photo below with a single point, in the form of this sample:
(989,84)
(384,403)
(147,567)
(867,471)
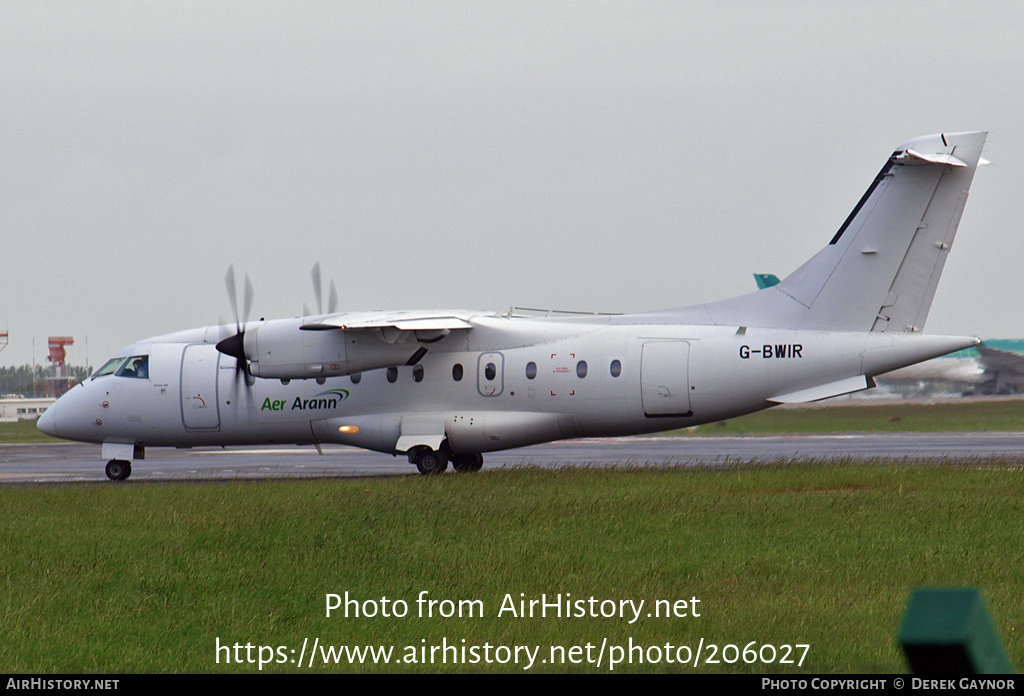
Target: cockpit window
(109,367)
(136,367)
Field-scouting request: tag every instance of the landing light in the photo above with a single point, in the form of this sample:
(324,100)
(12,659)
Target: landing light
(349,429)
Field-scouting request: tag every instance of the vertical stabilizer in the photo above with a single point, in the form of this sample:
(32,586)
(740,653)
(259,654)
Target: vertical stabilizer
(882,267)
(880,270)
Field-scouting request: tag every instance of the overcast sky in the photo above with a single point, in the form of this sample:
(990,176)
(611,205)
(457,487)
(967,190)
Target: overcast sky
(605,156)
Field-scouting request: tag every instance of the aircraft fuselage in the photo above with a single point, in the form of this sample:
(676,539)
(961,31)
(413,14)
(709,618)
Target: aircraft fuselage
(511,382)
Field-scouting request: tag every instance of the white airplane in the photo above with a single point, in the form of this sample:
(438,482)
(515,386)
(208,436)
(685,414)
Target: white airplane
(447,386)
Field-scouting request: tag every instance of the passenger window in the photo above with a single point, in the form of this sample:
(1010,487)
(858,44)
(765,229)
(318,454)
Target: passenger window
(392,374)
(531,370)
(616,368)
(356,377)
(457,372)
(417,373)
(581,369)
(137,367)
(490,371)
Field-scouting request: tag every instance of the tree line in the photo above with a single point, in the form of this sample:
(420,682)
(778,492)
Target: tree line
(24,381)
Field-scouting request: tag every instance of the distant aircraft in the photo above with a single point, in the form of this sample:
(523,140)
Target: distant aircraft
(994,367)
(1004,369)
(445,386)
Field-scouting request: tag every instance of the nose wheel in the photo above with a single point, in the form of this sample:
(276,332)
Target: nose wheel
(118,469)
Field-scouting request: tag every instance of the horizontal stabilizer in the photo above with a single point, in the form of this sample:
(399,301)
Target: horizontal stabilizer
(937,158)
(825,391)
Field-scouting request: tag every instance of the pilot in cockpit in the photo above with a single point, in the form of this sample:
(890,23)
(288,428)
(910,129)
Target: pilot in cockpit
(137,367)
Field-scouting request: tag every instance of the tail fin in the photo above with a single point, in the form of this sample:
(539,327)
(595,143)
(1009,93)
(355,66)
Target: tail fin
(881,269)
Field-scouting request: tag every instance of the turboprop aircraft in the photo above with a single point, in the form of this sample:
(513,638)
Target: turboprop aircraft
(447,386)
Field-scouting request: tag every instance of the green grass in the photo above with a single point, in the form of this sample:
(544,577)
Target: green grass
(146,578)
(23,431)
(951,416)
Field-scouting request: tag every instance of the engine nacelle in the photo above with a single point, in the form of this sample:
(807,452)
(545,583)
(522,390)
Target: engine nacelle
(281,350)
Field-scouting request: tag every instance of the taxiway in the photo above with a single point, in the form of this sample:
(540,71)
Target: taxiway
(65,463)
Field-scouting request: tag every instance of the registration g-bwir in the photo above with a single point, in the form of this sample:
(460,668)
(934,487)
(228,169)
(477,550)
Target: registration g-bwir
(444,387)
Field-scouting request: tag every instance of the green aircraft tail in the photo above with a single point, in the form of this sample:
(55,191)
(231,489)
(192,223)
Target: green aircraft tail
(765,280)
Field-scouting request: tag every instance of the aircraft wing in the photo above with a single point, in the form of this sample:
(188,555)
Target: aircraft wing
(423,320)
(342,344)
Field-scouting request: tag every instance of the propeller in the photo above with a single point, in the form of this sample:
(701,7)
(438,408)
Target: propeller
(318,292)
(235,345)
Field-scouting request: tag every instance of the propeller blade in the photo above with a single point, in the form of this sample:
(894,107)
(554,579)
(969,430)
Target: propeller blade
(248,299)
(318,288)
(332,302)
(234,345)
(229,280)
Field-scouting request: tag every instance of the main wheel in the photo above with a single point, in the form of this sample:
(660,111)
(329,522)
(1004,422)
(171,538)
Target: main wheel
(466,463)
(430,462)
(118,469)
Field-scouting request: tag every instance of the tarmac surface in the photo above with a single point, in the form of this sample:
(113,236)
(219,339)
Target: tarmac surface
(71,462)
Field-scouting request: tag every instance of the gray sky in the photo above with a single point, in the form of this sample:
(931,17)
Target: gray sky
(606,156)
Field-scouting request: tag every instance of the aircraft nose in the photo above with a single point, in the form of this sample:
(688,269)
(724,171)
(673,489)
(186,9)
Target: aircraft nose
(47,422)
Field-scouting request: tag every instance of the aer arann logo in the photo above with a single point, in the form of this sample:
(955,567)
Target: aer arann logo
(321,402)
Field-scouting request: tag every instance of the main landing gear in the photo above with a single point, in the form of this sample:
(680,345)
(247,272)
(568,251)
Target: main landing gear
(118,469)
(467,463)
(429,461)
